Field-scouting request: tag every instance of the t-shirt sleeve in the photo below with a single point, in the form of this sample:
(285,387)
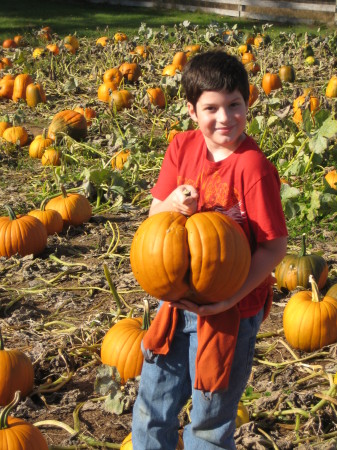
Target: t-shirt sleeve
(168,175)
(264,208)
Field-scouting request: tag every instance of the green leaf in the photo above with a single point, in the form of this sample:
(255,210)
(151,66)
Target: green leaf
(289,192)
(107,379)
(114,402)
(319,143)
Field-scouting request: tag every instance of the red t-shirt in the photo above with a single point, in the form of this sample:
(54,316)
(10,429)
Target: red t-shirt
(245,186)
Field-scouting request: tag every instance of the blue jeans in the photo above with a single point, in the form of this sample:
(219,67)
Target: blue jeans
(167,383)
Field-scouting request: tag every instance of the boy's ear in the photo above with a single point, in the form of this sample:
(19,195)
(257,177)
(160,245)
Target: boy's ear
(192,112)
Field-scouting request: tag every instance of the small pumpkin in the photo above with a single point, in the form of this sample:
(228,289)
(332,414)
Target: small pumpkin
(127,443)
(19,40)
(68,122)
(35,94)
(9,43)
(4,124)
(18,434)
(102,41)
(248,57)
(192,49)
(261,40)
(72,40)
(87,112)
(38,52)
(121,345)
(70,48)
(143,50)
(130,70)
(16,135)
(113,75)
(105,90)
(50,218)
(20,85)
(120,37)
(294,270)
(53,48)
(302,101)
(331,179)
(39,145)
(331,89)
(253,94)
(242,415)
(24,235)
(17,373)
(271,82)
(121,99)
(75,209)
(120,159)
(170,70)
(309,320)
(51,157)
(186,261)
(179,60)
(5,63)
(156,97)
(6,88)
(287,73)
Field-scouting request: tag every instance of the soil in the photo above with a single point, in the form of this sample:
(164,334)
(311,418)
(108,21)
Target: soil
(57,308)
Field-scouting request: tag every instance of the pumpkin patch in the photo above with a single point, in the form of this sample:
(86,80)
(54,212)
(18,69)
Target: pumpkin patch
(86,116)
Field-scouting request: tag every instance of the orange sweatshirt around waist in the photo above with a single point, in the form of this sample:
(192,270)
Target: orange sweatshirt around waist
(217,335)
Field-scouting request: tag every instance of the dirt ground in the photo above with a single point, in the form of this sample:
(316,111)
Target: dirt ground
(57,308)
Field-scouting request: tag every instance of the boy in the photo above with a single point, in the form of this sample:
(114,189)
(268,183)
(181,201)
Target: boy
(222,169)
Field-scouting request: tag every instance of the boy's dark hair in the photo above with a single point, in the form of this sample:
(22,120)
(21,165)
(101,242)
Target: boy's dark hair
(213,71)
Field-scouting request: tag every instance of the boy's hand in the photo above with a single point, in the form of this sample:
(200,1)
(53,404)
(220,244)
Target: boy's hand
(184,199)
(204,310)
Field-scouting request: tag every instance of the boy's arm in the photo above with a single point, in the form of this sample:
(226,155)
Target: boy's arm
(264,261)
(183,199)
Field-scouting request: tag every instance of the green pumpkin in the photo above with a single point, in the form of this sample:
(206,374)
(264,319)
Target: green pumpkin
(294,270)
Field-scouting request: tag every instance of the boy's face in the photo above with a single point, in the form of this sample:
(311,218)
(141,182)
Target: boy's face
(221,117)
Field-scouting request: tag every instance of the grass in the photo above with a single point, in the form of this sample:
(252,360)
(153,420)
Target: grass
(94,20)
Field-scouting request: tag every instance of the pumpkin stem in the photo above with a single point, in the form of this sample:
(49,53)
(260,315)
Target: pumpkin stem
(316,296)
(64,192)
(303,251)
(43,203)
(7,409)
(10,211)
(2,346)
(112,288)
(146,315)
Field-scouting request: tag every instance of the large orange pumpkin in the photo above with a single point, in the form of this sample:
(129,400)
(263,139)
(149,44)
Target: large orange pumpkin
(131,71)
(68,122)
(16,135)
(24,235)
(309,321)
(206,255)
(35,94)
(20,85)
(156,97)
(50,218)
(75,209)
(6,88)
(17,434)
(121,346)
(16,373)
(271,82)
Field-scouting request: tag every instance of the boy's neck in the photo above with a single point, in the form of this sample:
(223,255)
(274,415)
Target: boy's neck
(221,153)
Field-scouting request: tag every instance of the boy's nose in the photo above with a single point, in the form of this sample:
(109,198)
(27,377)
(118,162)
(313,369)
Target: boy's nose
(223,114)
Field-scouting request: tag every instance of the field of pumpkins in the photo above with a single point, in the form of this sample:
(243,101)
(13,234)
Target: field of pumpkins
(84,125)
